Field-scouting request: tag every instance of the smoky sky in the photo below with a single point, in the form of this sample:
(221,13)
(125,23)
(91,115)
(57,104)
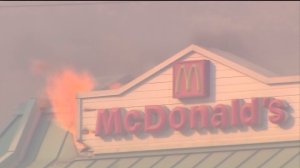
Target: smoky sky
(119,38)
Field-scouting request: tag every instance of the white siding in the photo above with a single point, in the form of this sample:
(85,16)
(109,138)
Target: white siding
(227,84)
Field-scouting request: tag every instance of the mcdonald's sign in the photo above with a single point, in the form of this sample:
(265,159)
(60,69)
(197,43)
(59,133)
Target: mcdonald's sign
(191,79)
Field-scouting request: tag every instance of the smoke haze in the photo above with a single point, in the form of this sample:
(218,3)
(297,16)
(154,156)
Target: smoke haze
(118,38)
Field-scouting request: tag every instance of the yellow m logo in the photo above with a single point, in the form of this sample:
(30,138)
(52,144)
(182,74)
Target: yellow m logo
(191,79)
(187,76)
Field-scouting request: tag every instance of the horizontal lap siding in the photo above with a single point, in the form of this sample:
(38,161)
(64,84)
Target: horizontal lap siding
(157,90)
(209,138)
(223,93)
(239,83)
(90,122)
(219,74)
(90,108)
(159,99)
(168,143)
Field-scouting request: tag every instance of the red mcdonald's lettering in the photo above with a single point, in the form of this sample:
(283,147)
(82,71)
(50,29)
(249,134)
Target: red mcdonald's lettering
(235,112)
(249,112)
(180,114)
(157,112)
(197,112)
(277,107)
(107,120)
(220,116)
(155,117)
(132,121)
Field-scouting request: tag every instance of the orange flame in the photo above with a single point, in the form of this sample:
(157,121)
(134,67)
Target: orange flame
(61,90)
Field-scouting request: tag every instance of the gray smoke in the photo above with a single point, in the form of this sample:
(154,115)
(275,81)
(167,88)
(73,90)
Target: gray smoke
(113,38)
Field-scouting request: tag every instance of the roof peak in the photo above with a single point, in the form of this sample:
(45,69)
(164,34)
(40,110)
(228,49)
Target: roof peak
(237,63)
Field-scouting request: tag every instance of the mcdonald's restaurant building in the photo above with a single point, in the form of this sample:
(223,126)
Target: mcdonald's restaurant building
(196,109)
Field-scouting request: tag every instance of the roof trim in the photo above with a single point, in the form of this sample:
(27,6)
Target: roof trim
(193,49)
(236,147)
(19,143)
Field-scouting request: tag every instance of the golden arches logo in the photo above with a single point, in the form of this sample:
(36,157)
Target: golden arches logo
(187,76)
(191,79)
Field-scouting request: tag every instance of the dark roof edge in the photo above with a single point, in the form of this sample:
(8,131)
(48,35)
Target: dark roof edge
(266,145)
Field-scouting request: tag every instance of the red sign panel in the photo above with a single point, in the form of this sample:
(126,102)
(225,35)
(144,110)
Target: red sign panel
(191,79)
